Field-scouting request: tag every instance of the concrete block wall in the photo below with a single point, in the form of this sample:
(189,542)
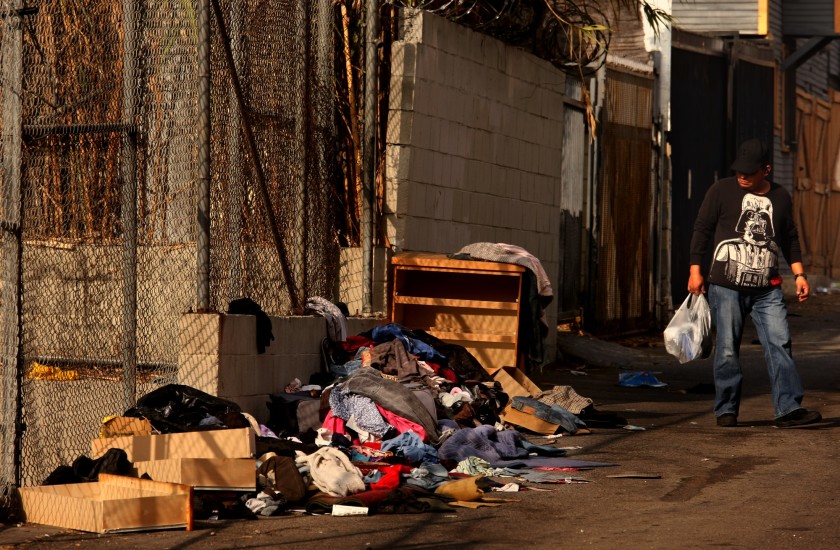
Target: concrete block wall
(218,355)
(474,144)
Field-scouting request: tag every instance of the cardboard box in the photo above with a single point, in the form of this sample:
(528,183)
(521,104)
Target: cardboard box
(229,474)
(236,443)
(514,382)
(125,425)
(113,504)
(527,420)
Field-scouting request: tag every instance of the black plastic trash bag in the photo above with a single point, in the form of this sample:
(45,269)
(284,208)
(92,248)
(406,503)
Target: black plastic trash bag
(176,408)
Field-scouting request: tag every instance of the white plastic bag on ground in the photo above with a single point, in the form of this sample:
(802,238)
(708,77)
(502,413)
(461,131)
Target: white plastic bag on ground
(688,335)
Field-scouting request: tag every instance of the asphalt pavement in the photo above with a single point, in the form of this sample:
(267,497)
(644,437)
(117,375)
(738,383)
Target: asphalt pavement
(680,481)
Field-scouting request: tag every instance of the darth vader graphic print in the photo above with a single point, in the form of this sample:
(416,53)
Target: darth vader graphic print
(747,260)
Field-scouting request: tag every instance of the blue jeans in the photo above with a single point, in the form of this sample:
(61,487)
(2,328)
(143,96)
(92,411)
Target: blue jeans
(550,413)
(769,315)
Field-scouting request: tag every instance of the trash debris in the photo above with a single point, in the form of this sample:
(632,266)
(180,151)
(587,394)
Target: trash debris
(45,372)
(507,488)
(632,428)
(635,379)
(339,510)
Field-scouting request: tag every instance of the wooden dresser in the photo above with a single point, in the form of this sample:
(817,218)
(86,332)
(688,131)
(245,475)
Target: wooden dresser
(472,303)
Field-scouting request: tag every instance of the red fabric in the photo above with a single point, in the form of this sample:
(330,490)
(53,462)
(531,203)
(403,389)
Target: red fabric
(390,478)
(353,343)
(444,372)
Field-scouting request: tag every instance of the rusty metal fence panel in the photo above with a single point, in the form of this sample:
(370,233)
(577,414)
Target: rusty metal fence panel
(10,76)
(99,134)
(623,299)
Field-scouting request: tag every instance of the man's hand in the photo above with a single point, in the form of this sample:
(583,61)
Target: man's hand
(803,289)
(696,283)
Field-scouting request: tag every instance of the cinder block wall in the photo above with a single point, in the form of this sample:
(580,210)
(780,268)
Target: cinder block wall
(218,355)
(474,144)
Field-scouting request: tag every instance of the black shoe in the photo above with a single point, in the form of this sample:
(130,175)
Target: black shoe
(798,417)
(727,420)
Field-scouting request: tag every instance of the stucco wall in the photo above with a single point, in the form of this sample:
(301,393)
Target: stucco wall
(475,134)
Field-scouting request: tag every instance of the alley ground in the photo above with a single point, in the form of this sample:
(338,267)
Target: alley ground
(699,486)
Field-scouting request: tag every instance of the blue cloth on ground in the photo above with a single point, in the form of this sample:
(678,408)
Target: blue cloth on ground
(639,378)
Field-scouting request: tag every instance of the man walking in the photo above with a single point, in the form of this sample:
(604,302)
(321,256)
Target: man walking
(749,221)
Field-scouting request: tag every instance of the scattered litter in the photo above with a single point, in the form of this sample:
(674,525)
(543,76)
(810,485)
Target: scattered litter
(507,488)
(827,290)
(632,428)
(46,372)
(567,480)
(639,378)
(345,510)
(579,373)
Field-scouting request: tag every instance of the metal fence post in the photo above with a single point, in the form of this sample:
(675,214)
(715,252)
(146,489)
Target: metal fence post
(129,204)
(203,213)
(10,243)
(369,151)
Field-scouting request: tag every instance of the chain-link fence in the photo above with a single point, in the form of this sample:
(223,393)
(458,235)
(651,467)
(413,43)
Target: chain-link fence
(101,181)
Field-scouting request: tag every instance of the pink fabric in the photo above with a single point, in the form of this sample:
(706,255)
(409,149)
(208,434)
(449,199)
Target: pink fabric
(334,424)
(401,424)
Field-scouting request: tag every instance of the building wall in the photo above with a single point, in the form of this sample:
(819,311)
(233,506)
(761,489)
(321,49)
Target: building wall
(474,146)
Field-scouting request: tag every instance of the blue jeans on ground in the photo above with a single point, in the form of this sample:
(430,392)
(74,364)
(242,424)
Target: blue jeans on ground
(550,413)
(769,315)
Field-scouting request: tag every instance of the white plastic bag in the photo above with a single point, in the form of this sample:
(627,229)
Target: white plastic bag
(688,335)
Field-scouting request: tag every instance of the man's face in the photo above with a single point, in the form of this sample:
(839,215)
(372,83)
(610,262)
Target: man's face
(754,181)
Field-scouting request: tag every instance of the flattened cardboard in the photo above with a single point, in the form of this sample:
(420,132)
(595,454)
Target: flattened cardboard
(229,474)
(528,421)
(113,504)
(236,443)
(514,382)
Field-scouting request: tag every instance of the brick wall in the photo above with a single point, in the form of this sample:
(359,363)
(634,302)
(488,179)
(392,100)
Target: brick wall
(475,133)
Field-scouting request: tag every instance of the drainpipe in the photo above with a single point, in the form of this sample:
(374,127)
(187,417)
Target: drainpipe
(369,152)
(662,231)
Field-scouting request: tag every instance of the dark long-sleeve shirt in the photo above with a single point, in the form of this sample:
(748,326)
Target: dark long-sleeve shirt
(748,232)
